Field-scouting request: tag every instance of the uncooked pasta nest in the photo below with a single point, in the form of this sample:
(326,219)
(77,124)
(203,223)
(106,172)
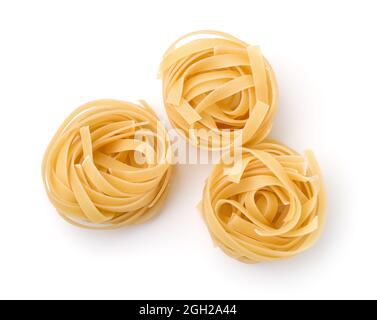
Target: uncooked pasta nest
(108,165)
(266,203)
(217,87)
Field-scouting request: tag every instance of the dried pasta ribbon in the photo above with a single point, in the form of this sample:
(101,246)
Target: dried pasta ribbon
(218,83)
(267,205)
(108,165)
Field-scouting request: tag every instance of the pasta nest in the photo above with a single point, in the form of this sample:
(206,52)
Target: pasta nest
(216,88)
(108,165)
(267,204)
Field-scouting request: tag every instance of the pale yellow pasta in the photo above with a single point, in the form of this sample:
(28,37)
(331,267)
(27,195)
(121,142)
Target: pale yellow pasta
(267,204)
(218,85)
(108,165)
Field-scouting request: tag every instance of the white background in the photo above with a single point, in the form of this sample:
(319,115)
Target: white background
(57,55)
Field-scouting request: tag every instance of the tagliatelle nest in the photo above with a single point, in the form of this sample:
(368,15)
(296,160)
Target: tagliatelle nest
(218,85)
(267,204)
(108,165)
